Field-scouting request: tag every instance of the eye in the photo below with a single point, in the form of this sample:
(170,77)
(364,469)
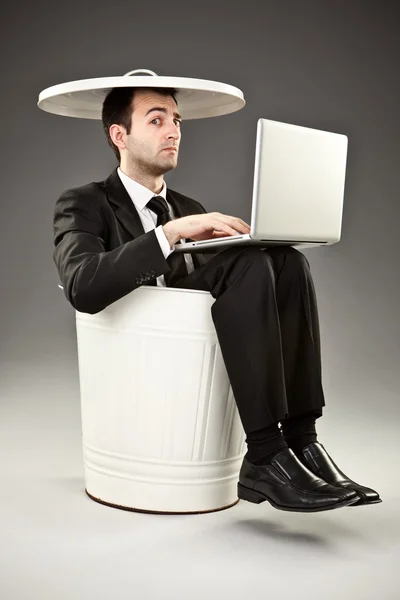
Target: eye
(153,121)
(178,122)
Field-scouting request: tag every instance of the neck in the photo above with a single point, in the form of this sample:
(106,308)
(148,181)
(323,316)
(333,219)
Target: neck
(151,182)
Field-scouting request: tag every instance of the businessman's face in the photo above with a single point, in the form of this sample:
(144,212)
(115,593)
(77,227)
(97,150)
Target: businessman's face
(153,142)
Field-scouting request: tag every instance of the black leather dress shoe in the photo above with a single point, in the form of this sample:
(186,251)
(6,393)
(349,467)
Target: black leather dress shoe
(288,485)
(315,457)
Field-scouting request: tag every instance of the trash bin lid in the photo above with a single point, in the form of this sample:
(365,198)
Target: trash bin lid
(197,98)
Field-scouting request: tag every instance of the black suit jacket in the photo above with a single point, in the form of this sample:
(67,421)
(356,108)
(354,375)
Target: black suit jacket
(101,249)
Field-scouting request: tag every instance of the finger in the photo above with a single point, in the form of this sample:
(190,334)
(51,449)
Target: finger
(219,234)
(221,226)
(244,223)
(234,222)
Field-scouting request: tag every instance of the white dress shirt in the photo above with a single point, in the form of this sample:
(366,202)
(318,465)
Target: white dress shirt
(140,196)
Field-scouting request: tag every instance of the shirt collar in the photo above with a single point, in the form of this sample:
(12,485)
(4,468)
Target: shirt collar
(139,194)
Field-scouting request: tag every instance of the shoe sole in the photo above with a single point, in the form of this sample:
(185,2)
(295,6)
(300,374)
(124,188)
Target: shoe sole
(245,493)
(365,503)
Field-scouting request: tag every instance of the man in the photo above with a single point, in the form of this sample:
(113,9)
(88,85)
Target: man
(113,236)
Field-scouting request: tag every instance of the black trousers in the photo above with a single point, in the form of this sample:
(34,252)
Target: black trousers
(266,320)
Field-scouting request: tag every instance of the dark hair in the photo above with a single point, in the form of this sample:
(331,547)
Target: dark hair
(117,109)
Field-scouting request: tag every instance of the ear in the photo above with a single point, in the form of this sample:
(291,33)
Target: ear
(118,134)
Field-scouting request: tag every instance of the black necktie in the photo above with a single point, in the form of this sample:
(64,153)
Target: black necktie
(176,260)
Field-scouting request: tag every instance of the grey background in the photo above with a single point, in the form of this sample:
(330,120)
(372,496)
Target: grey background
(329,65)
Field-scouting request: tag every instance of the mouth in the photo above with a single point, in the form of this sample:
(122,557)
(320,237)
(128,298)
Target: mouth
(170,149)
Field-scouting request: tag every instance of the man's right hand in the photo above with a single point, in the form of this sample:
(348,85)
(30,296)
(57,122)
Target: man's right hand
(204,227)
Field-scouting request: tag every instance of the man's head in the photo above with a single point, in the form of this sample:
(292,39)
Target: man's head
(142,125)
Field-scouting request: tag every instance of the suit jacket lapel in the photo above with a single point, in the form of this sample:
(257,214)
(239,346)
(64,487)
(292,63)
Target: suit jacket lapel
(123,206)
(180,207)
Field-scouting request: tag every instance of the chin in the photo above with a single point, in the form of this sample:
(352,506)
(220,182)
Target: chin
(169,166)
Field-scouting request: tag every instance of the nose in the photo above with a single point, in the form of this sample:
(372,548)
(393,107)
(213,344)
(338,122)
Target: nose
(173,131)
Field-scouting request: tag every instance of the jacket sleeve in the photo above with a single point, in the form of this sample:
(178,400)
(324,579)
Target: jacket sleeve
(92,277)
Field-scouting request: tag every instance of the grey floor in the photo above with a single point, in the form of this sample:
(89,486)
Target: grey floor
(56,543)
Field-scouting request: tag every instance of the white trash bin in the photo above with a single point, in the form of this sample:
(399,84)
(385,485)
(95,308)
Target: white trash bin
(161,430)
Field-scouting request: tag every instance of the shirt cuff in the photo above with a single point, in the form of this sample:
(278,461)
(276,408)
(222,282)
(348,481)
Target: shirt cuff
(162,240)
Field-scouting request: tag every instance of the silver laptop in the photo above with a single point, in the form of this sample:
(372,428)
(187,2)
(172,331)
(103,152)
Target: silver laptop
(298,189)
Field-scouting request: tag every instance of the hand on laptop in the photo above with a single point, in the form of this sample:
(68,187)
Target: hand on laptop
(204,227)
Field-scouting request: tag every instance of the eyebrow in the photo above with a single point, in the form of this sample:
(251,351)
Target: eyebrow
(164,110)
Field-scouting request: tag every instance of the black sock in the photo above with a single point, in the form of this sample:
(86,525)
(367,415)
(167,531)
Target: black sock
(264,443)
(299,431)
